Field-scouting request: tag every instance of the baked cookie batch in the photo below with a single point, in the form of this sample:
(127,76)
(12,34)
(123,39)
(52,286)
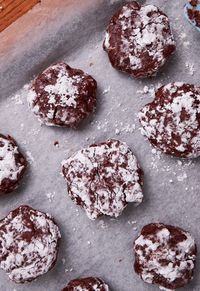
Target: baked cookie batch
(103,178)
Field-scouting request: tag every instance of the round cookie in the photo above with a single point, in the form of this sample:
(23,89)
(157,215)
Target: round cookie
(12,164)
(171,121)
(62,96)
(139,40)
(165,255)
(103,178)
(28,244)
(86,284)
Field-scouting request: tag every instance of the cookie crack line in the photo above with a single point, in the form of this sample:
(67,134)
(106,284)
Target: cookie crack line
(125,40)
(100,173)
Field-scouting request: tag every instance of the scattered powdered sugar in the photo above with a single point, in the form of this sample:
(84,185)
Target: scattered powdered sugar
(103,178)
(106,91)
(17,99)
(133,224)
(146,90)
(150,90)
(190,67)
(50,196)
(30,157)
(63,261)
(182,177)
(28,244)
(119,126)
(67,270)
(102,224)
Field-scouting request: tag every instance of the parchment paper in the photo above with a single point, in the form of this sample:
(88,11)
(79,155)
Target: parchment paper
(72,31)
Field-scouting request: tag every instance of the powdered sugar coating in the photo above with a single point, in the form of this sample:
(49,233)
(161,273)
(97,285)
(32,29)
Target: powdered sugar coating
(103,178)
(165,255)
(62,96)
(28,244)
(138,39)
(12,164)
(86,284)
(172,121)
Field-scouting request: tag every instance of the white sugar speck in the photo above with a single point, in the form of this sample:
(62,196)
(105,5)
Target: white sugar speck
(30,158)
(50,196)
(105,91)
(182,177)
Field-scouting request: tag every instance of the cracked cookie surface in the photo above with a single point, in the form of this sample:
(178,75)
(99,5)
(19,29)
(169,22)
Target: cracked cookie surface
(28,244)
(171,121)
(62,96)
(103,178)
(165,255)
(139,40)
(86,284)
(12,164)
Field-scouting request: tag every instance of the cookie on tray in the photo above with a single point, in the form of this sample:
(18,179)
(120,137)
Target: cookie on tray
(28,244)
(12,164)
(193,12)
(103,178)
(165,255)
(139,40)
(62,96)
(171,121)
(86,284)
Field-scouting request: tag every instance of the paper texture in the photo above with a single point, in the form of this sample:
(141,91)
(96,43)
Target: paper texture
(72,31)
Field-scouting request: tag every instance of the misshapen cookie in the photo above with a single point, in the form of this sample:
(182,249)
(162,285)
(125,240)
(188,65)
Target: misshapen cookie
(172,121)
(165,255)
(139,39)
(86,284)
(28,244)
(12,164)
(62,96)
(103,178)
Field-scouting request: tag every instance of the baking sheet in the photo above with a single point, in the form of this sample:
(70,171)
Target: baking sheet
(72,31)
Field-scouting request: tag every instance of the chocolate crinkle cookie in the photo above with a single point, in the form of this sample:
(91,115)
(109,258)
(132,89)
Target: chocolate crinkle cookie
(165,255)
(28,244)
(12,164)
(86,284)
(62,96)
(194,12)
(139,40)
(103,178)
(171,121)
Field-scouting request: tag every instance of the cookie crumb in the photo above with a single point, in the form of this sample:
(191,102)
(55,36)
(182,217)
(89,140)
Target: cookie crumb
(56,143)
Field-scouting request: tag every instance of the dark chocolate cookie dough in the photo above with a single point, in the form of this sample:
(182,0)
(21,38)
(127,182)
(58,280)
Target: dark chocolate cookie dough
(194,13)
(62,96)
(12,164)
(165,255)
(171,121)
(103,178)
(28,244)
(86,284)
(139,39)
